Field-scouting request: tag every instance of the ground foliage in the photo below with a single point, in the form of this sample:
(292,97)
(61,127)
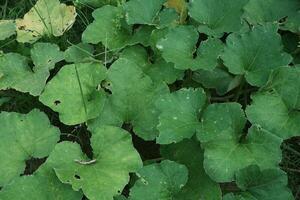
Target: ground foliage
(150,99)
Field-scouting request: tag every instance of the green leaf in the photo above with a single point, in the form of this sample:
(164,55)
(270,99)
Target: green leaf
(107,28)
(269,184)
(79,53)
(46,55)
(15,73)
(257,11)
(159,71)
(217,16)
(142,11)
(179,111)
(199,185)
(8,28)
(256,59)
(134,95)
(228,149)
(107,173)
(42,185)
(218,79)
(74,92)
(46,18)
(23,137)
(159,181)
(179,45)
(281,92)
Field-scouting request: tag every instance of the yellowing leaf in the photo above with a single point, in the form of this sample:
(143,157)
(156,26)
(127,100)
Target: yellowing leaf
(180,6)
(47,17)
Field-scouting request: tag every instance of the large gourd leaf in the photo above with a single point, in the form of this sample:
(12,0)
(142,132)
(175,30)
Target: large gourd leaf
(199,185)
(217,16)
(179,112)
(159,181)
(103,177)
(179,46)
(142,11)
(227,149)
(74,92)
(134,95)
(23,136)
(42,185)
(283,93)
(46,18)
(256,59)
(269,184)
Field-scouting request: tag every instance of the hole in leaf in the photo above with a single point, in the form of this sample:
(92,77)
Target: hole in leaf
(105,86)
(57,102)
(77,176)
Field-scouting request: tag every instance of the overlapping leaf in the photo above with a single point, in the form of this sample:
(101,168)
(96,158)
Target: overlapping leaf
(23,137)
(42,185)
(199,185)
(218,79)
(269,184)
(107,173)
